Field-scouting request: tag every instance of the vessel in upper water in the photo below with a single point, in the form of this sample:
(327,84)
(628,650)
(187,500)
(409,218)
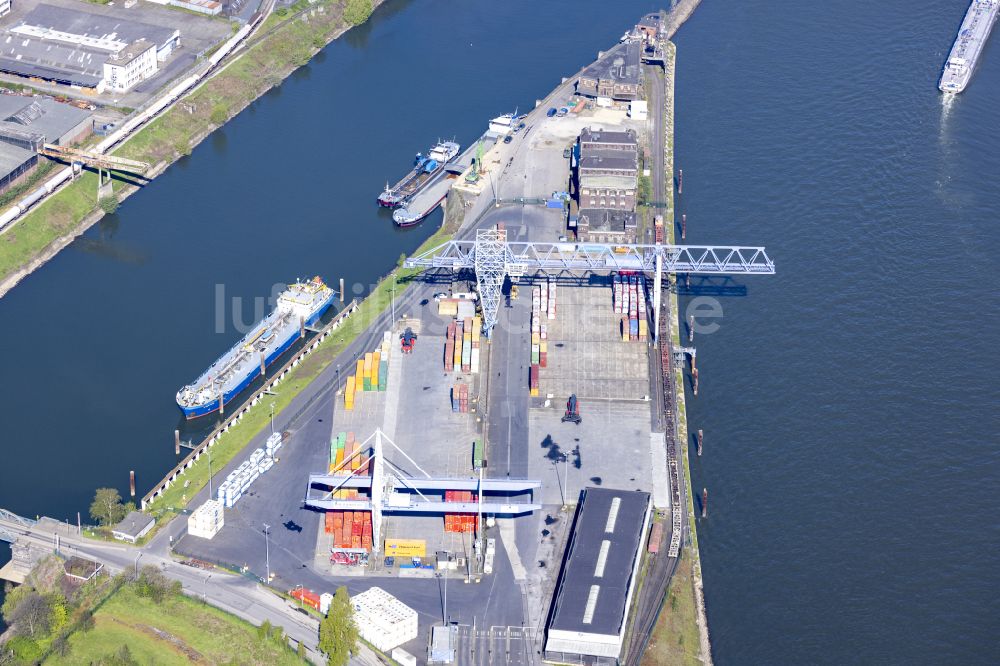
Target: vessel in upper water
(300,305)
(424,169)
(968,45)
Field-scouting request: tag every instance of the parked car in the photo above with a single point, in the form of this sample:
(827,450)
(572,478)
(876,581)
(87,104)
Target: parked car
(567,152)
(508,139)
(550,113)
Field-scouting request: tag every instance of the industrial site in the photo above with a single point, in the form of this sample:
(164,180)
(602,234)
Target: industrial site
(494,466)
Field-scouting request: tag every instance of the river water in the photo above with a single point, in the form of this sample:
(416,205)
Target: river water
(848,402)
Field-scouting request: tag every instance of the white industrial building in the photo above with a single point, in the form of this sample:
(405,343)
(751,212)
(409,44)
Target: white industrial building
(383,620)
(206,520)
(590,607)
(134,63)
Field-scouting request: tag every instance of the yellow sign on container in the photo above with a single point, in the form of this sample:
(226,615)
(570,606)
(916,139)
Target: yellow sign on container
(406,547)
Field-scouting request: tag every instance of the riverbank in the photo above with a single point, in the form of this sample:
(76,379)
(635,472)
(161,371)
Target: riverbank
(681,631)
(286,44)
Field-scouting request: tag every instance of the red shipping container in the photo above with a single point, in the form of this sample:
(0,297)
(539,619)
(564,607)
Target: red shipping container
(543,359)
(533,376)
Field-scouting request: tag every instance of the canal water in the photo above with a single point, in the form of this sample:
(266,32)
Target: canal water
(848,402)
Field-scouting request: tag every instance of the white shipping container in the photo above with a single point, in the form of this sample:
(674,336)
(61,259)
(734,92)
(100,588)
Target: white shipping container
(383,620)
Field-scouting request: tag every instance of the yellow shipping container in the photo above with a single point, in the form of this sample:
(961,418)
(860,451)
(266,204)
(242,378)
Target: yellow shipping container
(376,357)
(447,307)
(534,393)
(406,548)
(360,381)
(458,355)
(368,365)
(536,338)
(543,346)
(350,388)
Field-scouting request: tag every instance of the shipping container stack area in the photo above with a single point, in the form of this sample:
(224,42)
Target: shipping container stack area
(239,480)
(543,310)
(371,373)
(629,301)
(460,522)
(462,351)
(350,531)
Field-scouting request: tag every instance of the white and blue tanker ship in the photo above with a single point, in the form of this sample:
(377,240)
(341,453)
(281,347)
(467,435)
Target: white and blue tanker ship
(301,304)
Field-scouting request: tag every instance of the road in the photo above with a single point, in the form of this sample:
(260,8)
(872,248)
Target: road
(238,595)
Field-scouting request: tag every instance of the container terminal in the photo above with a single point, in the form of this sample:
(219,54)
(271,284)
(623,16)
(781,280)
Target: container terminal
(508,425)
(968,46)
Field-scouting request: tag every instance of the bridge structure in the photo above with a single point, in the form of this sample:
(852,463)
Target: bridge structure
(396,490)
(11,524)
(494,259)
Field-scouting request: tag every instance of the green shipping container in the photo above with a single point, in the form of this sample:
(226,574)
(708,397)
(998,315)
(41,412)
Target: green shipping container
(478,462)
(368,383)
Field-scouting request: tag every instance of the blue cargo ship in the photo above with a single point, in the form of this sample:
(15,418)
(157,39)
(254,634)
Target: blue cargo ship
(301,304)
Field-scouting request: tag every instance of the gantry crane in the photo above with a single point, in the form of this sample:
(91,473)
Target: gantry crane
(394,490)
(493,259)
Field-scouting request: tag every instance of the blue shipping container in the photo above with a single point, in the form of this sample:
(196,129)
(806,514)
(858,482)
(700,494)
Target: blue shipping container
(553,203)
(633,326)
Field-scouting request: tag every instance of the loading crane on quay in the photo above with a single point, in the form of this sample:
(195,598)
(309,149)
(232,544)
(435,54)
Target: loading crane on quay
(493,259)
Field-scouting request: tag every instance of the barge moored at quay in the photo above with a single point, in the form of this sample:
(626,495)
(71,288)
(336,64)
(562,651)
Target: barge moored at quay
(425,167)
(300,305)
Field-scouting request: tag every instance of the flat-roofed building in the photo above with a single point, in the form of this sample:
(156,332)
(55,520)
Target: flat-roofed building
(134,63)
(598,577)
(4,7)
(616,74)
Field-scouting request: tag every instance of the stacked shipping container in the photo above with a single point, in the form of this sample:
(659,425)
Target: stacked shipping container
(629,294)
(371,373)
(461,347)
(460,398)
(350,529)
(459,522)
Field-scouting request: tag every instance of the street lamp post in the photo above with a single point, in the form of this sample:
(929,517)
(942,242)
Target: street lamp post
(267,553)
(272,417)
(204,589)
(209,450)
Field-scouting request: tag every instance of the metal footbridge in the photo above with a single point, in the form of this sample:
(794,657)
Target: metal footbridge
(493,259)
(394,490)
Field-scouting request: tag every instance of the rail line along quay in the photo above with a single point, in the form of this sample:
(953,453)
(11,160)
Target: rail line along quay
(496,437)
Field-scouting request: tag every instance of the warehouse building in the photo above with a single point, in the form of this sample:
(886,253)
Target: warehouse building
(616,74)
(605,225)
(590,606)
(608,169)
(15,164)
(383,620)
(28,122)
(71,47)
